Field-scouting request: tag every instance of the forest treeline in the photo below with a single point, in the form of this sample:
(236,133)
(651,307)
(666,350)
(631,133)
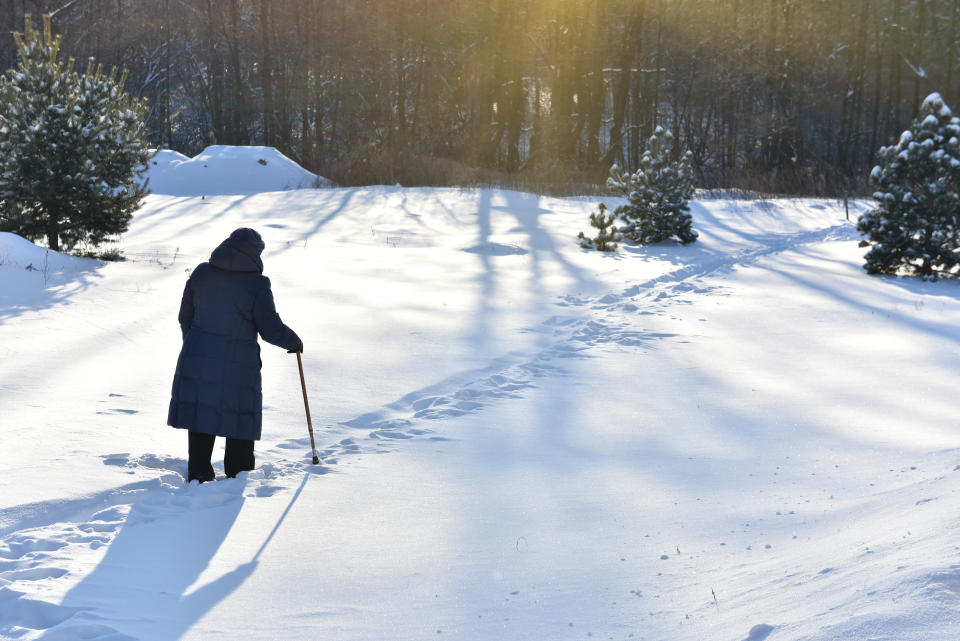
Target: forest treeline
(790,96)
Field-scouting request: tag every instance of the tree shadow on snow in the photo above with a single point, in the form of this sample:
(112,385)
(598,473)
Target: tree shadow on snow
(35,287)
(541,247)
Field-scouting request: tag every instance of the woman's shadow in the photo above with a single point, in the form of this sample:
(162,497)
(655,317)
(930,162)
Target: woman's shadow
(143,588)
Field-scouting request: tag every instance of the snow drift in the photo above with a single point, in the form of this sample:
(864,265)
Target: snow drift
(18,252)
(228,170)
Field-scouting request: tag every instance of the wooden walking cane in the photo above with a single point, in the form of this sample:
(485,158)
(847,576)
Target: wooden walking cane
(306,406)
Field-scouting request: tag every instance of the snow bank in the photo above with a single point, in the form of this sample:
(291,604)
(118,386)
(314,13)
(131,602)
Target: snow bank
(34,278)
(16,251)
(228,170)
(163,158)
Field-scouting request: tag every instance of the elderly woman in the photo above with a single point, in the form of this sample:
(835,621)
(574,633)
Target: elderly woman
(216,389)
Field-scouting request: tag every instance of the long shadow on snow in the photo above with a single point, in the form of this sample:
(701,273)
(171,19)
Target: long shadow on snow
(347,196)
(526,209)
(29,515)
(144,581)
(174,201)
(482,318)
(36,295)
(468,391)
(237,201)
(843,295)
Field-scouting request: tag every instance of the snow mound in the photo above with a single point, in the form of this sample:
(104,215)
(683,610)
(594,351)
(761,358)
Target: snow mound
(222,170)
(163,158)
(16,251)
(160,163)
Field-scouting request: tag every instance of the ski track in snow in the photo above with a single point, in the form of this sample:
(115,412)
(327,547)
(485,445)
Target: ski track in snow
(37,548)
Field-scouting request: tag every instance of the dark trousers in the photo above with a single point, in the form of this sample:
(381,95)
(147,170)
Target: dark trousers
(237,458)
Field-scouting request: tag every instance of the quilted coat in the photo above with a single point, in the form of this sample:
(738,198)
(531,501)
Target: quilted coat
(226,303)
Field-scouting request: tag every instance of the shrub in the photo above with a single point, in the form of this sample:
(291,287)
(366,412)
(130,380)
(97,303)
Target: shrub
(916,225)
(72,147)
(607,237)
(658,194)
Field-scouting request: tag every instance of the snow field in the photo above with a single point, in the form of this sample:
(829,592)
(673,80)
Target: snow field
(742,438)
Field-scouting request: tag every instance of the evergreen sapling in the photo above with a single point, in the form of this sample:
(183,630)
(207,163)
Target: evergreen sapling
(607,235)
(72,147)
(658,194)
(916,225)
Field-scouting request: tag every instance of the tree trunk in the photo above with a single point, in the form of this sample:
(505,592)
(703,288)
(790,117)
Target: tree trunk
(596,94)
(861,72)
(897,66)
(621,90)
(239,134)
(515,94)
(562,90)
(953,50)
(215,75)
(266,73)
(877,89)
(53,232)
(400,129)
(658,61)
(919,36)
(167,72)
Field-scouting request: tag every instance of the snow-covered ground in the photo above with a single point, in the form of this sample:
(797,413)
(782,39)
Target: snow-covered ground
(745,438)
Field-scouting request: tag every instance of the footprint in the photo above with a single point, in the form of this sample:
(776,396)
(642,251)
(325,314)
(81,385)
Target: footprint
(98,527)
(116,459)
(21,612)
(156,462)
(389,434)
(26,544)
(759,632)
(113,411)
(946,582)
(86,631)
(424,403)
(33,574)
(266,490)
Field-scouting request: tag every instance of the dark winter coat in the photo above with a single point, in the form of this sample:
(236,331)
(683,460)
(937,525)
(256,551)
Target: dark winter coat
(226,303)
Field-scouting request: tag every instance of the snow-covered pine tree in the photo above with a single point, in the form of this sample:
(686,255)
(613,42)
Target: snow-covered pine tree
(607,235)
(658,194)
(916,225)
(72,147)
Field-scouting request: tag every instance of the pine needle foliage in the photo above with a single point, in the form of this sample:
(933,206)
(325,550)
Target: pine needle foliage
(72,146)
(607,235)
(915,228)
(658,194)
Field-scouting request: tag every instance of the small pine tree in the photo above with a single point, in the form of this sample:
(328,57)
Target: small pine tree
(658,193)
(72,147)
(916,225)
(607,237)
